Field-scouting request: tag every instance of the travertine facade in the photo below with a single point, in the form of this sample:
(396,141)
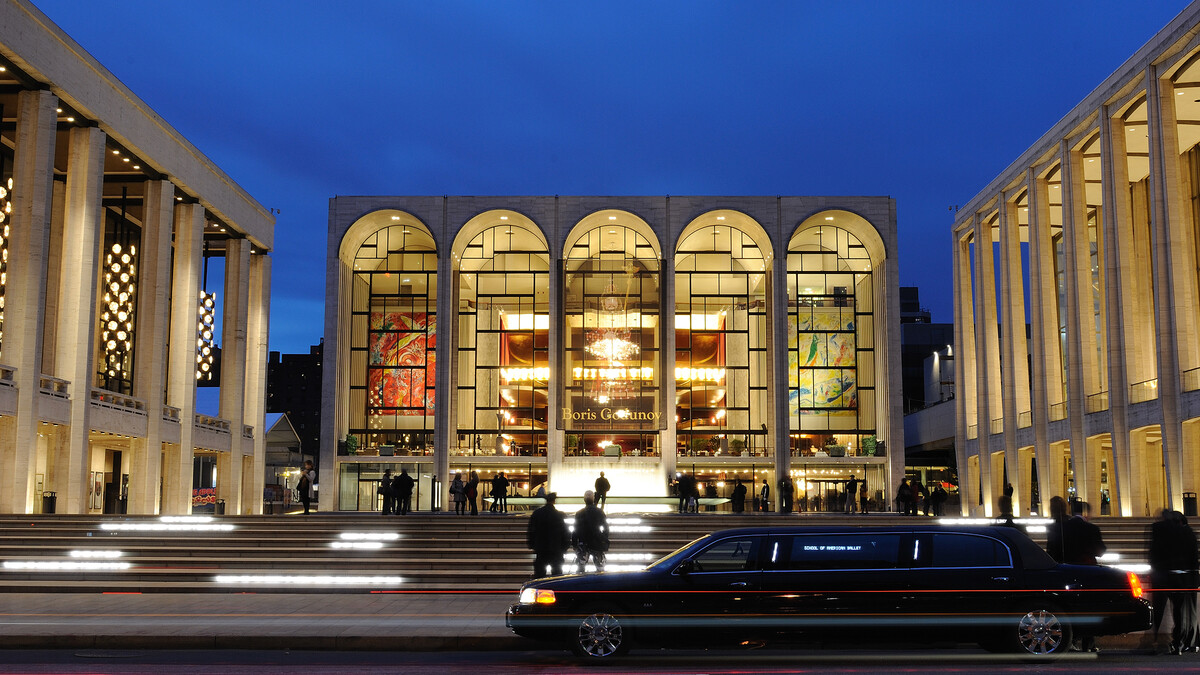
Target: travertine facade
(1091,236)
(110,217)
(525,335)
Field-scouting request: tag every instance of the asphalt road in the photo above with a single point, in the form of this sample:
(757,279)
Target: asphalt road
(225,662)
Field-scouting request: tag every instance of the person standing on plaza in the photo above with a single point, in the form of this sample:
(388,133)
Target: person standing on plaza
(863,496)
(851,493)
(547,534)
(458,494)
(473,491)
(502,497)
(590,536)
(308,476)
(495,485)
(602,488)
(904,498)
(1082,545)
(738,498)
(1054,533)
(388,491)
(764,497)
(786,489)
(403,486)
(1174,575)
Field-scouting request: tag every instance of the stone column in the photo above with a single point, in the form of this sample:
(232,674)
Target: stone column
(1016,394)
(965,369)
(446,339)
(668,445)
(24,296)
(1081,349)
(233,370)
(83,228)
(777,347)
(259,320)
(555,437)
(181,369)
(150,373)
(1043,301)
(987,357)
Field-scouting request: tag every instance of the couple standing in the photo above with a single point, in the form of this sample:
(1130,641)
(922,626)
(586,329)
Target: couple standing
(549,536)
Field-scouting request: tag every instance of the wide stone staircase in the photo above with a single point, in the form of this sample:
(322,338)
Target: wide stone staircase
(355,553)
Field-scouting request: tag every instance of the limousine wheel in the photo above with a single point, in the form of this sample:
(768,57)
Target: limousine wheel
(1041,632)
(600,635)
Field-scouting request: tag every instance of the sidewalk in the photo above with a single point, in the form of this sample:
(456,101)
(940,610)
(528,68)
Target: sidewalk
(420,621)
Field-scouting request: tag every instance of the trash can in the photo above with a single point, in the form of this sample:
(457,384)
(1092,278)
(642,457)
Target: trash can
(219,509)
(1189,503)
(49,499)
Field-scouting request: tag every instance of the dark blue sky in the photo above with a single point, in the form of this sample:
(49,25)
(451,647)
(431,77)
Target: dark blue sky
(300,101)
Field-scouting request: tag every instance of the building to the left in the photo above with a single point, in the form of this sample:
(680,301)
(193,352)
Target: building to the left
(108,217)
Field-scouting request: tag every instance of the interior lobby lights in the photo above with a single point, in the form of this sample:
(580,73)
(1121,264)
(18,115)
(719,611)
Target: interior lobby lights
(205,341)
(644,373)
(116,319)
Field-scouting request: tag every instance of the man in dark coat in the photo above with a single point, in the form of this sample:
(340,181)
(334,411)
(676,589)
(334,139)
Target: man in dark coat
(602,488)
(738,498)
(1174,574)
(548,536)
(388,490)
(590,536)
(851,494)
(1082,545)
(403,489)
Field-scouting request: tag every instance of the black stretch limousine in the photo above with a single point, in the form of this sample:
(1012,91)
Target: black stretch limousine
(990,585)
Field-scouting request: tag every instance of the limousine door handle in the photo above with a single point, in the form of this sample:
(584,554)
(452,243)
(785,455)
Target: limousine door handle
(738,584)
(1000,579)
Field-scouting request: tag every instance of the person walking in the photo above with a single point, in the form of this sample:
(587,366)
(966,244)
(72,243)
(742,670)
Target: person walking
(764,497)
(304,487)
(473,491)
(683,486)
(1174,575)
(403,487)
(502,498)
(458,494)
(851,494)
(602,488)
(786,489)
(863,496)
(904,498)
(590,536)
(1054,533)
(495,490)
(1082,545)
(547,534)
(738,498)
(388,491)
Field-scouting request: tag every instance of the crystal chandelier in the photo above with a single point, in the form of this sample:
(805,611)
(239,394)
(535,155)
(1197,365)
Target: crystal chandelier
(116,321)
(611,344)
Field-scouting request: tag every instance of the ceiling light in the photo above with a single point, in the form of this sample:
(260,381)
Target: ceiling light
(503,217)
(395,217)
(720,217)
(612,217)
(70,119)
(58,110)
(828,217)
(137,166)
(116,152)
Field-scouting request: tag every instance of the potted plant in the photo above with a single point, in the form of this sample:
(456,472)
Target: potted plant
(737,446)
(869,445)
(835,449)
(351,442)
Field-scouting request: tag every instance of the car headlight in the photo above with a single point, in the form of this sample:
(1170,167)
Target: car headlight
(536,596)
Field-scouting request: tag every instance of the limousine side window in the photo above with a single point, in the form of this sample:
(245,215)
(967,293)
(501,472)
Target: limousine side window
(968,550)
(865,551)
(728,555)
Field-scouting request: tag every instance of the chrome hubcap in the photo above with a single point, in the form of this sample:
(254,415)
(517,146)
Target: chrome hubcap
(1040,632)
(600,635)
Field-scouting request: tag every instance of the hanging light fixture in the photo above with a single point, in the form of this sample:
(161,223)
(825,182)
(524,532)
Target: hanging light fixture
(116,319)
(5,217)
(205,336)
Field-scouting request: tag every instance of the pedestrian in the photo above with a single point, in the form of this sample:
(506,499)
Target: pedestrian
(473,491)
(920,497)
(1082,545)
(904,497)
(403,486)
(495,491)
(548,536)
(693,502)
(1004,505)
(602,488)
(388,491)
(683,490)
(304,487)
(738,498)
(863,497)
(458,494)
(1174,575)
(938,497)
(590,536)
(502,498)
(764,496)
(1054,532)
(851,493)
(786,489)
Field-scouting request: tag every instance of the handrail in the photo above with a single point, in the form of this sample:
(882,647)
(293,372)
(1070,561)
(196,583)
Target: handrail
(53,386)
(1140,392)
(1058,411)
(110,399)
(170,414)
(212,423)
(1097,402)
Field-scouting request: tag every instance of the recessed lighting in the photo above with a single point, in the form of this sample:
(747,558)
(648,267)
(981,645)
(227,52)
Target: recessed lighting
(395,217)
(58,110)
(137,166)
(720,217)
(124,159)
(508,232)
(828,217)
(612,231)
(70,119)
(3,69)
(612,217)
(116,152)
(407,281)
(503,217)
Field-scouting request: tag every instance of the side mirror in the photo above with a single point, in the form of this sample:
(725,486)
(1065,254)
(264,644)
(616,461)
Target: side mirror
(686,567)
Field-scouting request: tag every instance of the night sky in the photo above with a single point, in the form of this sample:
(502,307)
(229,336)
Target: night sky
(300,101)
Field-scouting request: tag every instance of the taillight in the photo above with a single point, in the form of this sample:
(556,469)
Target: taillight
(1135,585)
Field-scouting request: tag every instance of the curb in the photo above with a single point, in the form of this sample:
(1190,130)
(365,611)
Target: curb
(406,643)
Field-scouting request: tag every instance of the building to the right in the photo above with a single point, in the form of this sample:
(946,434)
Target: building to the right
(1092,237)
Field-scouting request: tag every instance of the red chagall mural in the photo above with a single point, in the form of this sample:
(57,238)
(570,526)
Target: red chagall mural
(403,344)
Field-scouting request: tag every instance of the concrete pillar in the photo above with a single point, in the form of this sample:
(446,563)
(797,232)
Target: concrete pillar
(233,369)
(447,335)
(668,445)
(777,348)
(1015,396)
(259,319)
(24,296)
(556,438)
(1043,299)
(181,370)
(152,331)
(83,228)
(987,357)
(1081,351)
(965,371)
(1166,218)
